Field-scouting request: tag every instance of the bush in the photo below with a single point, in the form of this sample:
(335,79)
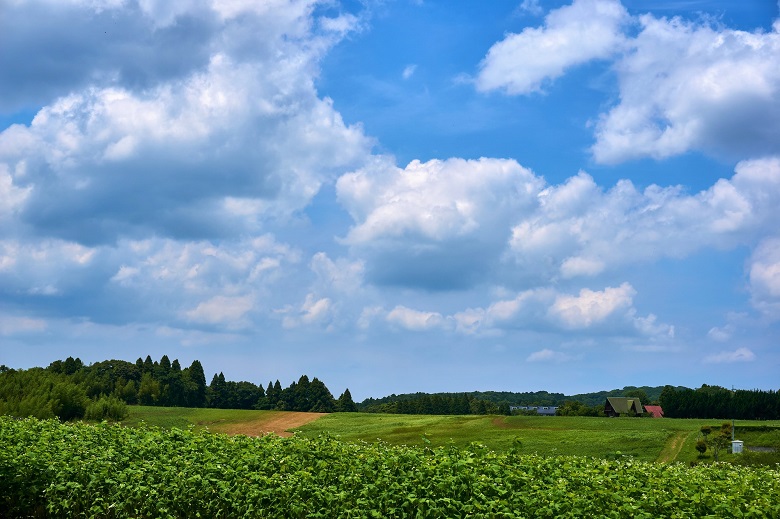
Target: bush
(701,446)
(106,408)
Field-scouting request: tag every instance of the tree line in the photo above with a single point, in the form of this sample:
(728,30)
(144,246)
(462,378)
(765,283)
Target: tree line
(68,389)
(718,402)
(438,404)
(501,402)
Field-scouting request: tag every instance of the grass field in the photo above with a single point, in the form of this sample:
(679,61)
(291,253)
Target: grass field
(663,440)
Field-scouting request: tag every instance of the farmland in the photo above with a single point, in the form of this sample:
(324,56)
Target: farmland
(51,469)
(644,439)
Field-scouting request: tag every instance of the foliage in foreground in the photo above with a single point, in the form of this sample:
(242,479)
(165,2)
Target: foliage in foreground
(70,470)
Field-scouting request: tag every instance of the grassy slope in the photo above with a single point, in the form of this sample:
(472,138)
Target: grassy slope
(643,438)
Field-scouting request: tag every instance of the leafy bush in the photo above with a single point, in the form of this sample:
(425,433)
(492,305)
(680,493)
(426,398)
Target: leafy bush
(106,408)
(41,394)
(72,470)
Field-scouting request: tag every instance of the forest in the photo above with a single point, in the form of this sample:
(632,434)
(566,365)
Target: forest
(69,389)
(718,402)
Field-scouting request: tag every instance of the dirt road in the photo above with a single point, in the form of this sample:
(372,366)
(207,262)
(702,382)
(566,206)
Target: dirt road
(673,447)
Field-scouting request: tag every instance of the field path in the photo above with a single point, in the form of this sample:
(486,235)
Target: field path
(673,447)
(278,423)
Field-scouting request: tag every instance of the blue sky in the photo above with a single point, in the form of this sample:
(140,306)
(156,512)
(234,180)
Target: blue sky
(395,196)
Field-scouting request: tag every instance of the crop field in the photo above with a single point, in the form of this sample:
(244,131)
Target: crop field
(49,469)
(230,421)
(664,440)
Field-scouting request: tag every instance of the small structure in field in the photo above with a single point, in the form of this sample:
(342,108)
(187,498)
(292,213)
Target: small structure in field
(542,410)
(621,405)
(654,410)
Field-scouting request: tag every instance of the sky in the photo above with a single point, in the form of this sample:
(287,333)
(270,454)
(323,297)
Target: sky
(395,196)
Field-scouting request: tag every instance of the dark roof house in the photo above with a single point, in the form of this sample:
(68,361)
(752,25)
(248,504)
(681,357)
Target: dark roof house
(621,405)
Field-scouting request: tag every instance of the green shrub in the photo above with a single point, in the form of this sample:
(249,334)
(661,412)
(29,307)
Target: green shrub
(106,408)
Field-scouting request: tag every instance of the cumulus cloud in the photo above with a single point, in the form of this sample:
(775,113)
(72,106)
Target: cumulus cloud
(764,272)
(150,280)
(581,230)
(591,307)
(107,163)
(235,139)
(682,85)
(688,85)
(313,311)
(437,224)
(738,355)
(415,320)
(571,35)
(609,311)
(457,223)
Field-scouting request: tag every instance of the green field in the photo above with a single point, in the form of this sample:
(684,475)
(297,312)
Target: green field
(645,439)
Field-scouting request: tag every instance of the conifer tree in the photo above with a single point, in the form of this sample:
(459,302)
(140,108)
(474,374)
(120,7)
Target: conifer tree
(345,403)
(197,389)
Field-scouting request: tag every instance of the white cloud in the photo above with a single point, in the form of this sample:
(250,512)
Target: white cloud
(456,223)
(580,230)
(337,284)
(526,309)
(12,196)
(15,325)
(200,268)
(739,355)
(531,7)
(341,275)
(46,267)
(438,223)
(415,320)
(687,86)
(408,71)
(592,307)
(435,199)
(547,355)
(764,271)
(683,85)
(340,25)
(313,311)
(239,139)
(609,311)
(368,315)
(721,334)
(572,35)
(222,310)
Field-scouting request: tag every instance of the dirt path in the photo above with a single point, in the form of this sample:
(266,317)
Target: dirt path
(673,447)
(278,423)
